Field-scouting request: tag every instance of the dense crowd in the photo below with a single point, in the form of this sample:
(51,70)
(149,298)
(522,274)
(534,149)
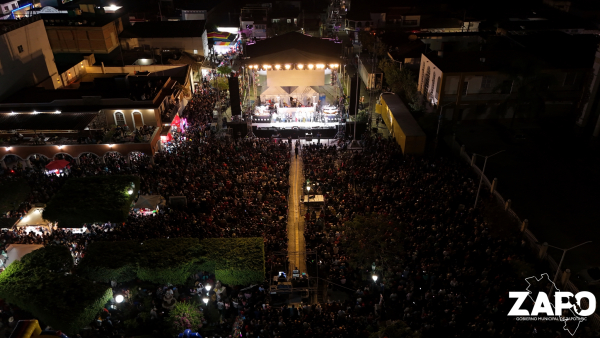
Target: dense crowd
(452,280)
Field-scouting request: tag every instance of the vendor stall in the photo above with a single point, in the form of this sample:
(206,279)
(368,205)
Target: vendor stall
(34,222)
(57,167)
(149,204)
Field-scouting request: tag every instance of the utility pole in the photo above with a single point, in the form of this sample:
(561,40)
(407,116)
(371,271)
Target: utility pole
(159,10)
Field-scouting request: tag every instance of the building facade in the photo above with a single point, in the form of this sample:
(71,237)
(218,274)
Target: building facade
(83,34)
(26,57)
(472,85)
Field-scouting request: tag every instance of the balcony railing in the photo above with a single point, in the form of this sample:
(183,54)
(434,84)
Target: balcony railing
(84,137)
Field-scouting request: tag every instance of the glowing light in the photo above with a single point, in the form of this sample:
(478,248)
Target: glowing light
(300,66)
(311,66)
(130,191)
(320,66)
(60,147)
(277,67)
(288,66)
(208,287)
(333,65)
(205,300)
(8,148)
(111,145)
(266,66)
(255,66)
(57,112)
(374,278)
(119,298)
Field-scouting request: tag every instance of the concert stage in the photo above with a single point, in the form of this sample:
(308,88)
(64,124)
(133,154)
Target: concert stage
(298,125)
(296,129)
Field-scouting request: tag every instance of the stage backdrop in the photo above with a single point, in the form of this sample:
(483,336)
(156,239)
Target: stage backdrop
(296,78)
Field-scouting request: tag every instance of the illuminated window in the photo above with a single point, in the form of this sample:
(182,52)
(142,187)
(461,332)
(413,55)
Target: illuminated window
(119,119)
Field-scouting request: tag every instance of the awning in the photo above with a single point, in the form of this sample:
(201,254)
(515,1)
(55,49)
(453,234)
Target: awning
(17,251)
(149,202)
(57,164)
(33,218)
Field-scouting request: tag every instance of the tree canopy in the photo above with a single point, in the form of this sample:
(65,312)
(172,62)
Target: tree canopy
(402,81)
(92,199)
(41,284)
(234,261)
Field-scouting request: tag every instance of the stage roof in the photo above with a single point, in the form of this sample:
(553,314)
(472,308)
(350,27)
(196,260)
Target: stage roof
(292,56)
(294,47)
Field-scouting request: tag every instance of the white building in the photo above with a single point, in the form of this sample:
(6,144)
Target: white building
(7,7)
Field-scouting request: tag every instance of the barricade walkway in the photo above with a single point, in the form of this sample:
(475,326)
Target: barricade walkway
(295,230)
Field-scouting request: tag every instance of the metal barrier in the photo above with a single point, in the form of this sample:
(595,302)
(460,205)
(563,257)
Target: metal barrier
(530,238)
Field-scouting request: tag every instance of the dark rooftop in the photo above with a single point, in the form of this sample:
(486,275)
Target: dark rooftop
(297,41)
(358,15)
(402,115)
(550,50)
(164,29)
(42,121)
(61,19)
(195,4)
(105,86)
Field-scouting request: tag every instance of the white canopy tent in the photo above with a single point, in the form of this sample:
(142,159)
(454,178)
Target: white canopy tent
(277,94)
(305,95)
(149,202)
(273,93)
(33,220)
(16,251)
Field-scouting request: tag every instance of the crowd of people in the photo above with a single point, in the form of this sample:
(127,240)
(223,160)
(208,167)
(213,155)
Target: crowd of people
(452,280)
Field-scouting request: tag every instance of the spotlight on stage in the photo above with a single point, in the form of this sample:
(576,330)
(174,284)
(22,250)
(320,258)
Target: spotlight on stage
(311,66)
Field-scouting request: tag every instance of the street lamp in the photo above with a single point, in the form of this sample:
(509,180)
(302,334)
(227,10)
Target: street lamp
(561,260)
(208,287)
(437,134)
(482,171)
(374,278)
(119,298)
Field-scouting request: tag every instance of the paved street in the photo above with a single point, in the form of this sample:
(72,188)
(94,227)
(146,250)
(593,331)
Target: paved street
(296,245)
